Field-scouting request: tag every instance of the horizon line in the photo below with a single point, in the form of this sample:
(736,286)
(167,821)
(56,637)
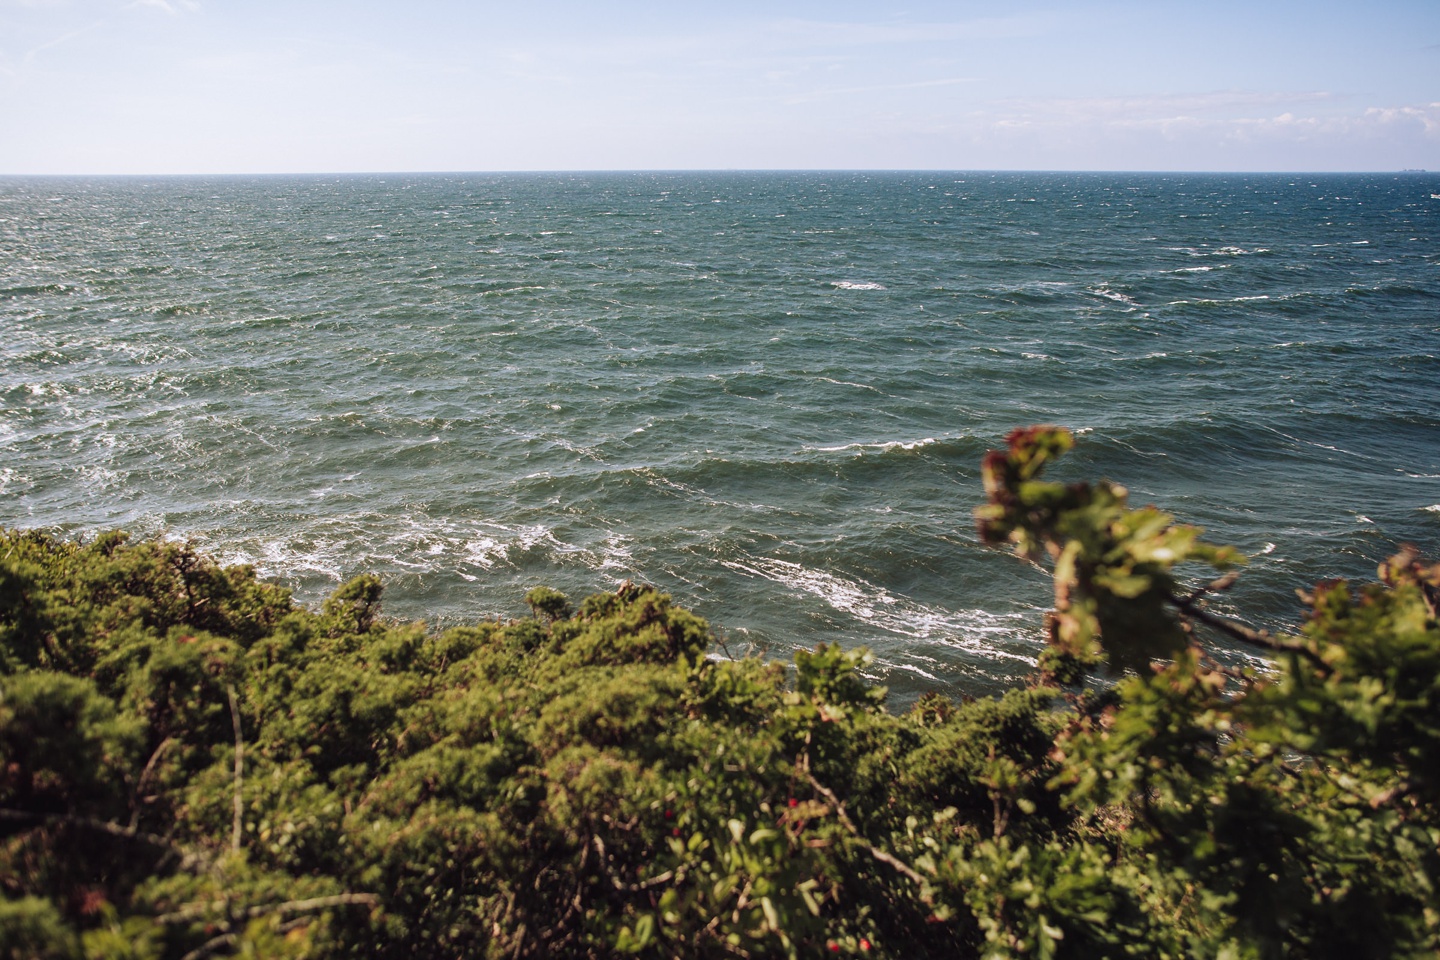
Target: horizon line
(582,171)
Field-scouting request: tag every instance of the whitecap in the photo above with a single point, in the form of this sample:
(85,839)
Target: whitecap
(883,447)
(848,383)
(615,552)
(286,559)
(1115,295)
(909,668)
(972,630)
(856,285)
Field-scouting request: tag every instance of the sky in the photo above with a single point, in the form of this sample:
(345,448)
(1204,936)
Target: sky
(263,86)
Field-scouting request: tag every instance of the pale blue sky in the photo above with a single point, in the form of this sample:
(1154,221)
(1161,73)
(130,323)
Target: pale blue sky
(242,86)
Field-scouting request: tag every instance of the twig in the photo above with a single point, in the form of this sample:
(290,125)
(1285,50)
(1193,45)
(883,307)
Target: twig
(188,859)
(875,851)
(605,862)
(1225,671)
(1238,631)
(621,885)
(145,777)
(1215,586)
(238,826)
(1395,791)
(210,946)
(194,911)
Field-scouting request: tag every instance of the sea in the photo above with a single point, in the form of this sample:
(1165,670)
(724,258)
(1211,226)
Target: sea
(767,394)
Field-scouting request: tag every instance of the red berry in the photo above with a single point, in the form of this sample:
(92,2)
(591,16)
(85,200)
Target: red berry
(669,814)
(864,944)
(675,832)
(834,947)
(796,803)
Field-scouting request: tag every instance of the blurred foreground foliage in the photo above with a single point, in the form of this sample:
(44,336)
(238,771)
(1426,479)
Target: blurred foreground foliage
(191,766)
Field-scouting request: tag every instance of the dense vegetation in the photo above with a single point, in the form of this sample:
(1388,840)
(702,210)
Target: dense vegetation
(192,766)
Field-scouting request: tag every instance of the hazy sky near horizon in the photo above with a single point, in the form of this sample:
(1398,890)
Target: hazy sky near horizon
(262,86)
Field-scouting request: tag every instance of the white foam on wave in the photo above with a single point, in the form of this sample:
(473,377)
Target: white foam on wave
(1433,508)
(1215,303)
(847,383)
(856,285)
(883,446)
(495,545)
(1117,296)
(614,553)
(971,630)
(420,544)
(287,558)
(502,291)
(1234,252)
(909,668)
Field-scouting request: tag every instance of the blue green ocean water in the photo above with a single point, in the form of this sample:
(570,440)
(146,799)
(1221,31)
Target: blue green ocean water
(768,394)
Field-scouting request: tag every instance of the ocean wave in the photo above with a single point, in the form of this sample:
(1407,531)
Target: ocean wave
(847,383)
(886,446)
(1210,302)
(882,446)
(294,420)
(179,309)
(334,548)
(288,559)
(971,630)
(31,290)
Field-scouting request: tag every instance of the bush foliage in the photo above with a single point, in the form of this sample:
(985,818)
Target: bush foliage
(191,765)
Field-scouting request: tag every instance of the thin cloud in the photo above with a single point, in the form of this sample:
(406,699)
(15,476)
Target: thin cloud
(165,5)
(65,38)
(764,41)
(1155,107)
(878,88)
(1208,119)
(802,32)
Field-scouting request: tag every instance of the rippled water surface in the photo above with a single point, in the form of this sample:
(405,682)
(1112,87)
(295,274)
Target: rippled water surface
(766,393)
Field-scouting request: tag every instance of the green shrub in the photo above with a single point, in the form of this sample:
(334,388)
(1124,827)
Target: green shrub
(192,766)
